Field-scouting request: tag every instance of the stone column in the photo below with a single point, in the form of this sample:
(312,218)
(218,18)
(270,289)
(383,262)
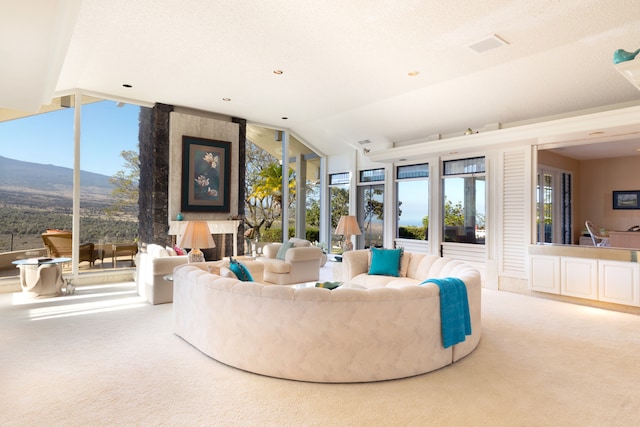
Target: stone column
(154,175)
(242,146)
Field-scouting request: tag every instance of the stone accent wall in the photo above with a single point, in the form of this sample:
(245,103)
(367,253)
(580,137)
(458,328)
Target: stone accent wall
(242,149)
(161,131)
(154,175)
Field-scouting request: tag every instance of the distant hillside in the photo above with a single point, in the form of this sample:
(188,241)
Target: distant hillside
(36,176)
(27,185)
(35,197)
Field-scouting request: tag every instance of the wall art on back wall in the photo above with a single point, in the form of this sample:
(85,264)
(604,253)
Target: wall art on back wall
(626,199)
(206,169)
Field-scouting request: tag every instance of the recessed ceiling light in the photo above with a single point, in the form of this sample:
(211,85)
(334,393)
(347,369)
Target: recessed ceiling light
(413,73)
(598,132)
(285,118)
(126,85)
(226,99)
(278,72)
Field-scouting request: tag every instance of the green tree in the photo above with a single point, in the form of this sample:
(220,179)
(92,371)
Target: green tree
(263,189)
(339,204)
(312,215)
(372,207)
(125,181)
(453,214)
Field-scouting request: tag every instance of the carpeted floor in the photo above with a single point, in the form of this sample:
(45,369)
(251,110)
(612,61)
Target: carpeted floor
(105,357)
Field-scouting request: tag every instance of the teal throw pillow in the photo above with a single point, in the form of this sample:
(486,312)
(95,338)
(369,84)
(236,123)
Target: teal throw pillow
(283,250)
(385,262)
(240,270)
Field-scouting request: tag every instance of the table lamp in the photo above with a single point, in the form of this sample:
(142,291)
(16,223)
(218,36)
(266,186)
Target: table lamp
(348,226)
(196,236)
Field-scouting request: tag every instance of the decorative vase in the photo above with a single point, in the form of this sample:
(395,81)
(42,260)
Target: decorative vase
(622,55)
(179,217)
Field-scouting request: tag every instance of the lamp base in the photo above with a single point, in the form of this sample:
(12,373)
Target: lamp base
(195,255)
(347,246)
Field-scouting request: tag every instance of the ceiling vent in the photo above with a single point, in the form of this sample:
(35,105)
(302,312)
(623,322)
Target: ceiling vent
(487,44)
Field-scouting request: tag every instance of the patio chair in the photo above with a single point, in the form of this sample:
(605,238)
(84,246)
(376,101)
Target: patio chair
(59,244)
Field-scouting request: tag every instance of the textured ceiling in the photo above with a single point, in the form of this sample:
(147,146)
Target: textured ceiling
(345,64)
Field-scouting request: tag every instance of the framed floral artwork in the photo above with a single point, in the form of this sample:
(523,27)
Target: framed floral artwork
(206,169)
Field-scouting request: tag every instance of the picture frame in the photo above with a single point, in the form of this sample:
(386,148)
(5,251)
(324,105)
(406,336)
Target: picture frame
(626,199)
(206,175)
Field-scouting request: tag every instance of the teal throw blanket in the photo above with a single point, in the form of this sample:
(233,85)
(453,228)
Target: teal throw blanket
(454,310)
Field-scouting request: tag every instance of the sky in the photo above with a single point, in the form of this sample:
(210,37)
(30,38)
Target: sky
(47,138)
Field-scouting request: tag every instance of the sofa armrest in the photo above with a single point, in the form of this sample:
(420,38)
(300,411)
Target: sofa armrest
(354,263)
(165,265)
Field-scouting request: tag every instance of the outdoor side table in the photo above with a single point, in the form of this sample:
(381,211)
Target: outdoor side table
(41,277)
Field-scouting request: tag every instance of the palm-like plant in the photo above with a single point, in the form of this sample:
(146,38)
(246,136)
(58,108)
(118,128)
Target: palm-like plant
(269,185)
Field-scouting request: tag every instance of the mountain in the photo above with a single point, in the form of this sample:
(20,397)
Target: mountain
(27,185)
(37,176)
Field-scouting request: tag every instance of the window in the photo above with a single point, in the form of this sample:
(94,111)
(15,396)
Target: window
(371,207)
(372,175)
(339,205)
(412,186)
(553,206)
(464,209)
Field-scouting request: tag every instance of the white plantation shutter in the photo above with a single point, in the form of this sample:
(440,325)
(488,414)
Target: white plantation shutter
(514,214)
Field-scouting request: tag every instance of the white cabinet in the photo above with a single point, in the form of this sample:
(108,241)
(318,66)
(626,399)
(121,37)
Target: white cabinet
(616,282)
(544,273)
(619,282)
(579,277)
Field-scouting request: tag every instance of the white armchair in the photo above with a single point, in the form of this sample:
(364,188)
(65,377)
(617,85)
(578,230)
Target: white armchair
(301,263)
(152,266)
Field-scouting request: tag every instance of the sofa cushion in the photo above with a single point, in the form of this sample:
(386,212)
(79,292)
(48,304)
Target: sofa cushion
(371,280)
(385,262)
(276,266)
(405,257)
(240,270)
(282,251)
(225,272)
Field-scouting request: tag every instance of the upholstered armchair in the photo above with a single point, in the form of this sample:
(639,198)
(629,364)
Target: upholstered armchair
(59,244)
(296,261)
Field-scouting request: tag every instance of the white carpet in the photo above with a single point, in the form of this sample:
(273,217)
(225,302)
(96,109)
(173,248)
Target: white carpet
(105,357)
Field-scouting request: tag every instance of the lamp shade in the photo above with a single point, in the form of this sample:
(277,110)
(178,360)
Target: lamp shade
(348,226)
(197,236)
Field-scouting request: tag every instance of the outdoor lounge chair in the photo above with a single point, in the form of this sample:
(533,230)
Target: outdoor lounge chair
(59,244)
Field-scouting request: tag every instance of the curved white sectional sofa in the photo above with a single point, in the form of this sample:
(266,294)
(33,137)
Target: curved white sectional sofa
(314,334)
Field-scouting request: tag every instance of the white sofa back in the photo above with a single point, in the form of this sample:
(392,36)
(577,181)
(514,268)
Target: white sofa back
(414,269)
(313,334)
